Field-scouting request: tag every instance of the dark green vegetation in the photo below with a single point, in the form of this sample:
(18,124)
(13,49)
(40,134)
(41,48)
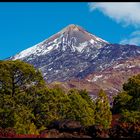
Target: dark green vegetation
(127,103)
(28,106)
(103,115)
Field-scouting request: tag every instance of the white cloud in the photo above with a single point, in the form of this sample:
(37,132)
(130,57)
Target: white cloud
(122,12)
(133,39)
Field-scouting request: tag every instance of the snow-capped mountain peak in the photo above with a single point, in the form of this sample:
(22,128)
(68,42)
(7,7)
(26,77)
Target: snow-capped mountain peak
(72,37)
(71,27)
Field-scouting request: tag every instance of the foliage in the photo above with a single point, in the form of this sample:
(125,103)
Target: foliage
(51,105)
(16,79)
(121,102)
(103,114)
(79,109)
(128,101)
(85,95)
(130,116)
(23,118)
(7,106)
(17,76)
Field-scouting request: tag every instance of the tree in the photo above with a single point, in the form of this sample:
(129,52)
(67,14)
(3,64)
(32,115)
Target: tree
(23,117)
(132,88)
(128,101)
(51,105)
(85,95)
(132,117)
(17,76)
(7,106)
(79,109)
(103,114)
(121,102)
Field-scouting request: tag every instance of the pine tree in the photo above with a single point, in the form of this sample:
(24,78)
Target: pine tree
(85,95)
(17,76)
(127,103)
(79,109)
(103,114)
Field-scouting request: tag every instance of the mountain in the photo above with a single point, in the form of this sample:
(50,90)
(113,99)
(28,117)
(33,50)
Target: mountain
(64,54)
(75,57)
(110,79)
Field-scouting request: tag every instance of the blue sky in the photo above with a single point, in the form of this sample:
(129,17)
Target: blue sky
(24,24)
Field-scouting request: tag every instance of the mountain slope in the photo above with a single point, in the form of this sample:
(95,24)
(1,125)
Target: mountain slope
(77,57)
(112,78)
(108,55)
(63,55)
(72,37)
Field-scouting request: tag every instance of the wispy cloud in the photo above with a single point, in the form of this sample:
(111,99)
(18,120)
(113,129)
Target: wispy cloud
(122,12)
(133,39)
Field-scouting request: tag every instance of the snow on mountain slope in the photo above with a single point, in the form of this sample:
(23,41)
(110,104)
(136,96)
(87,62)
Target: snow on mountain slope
(73,37)
(75,53)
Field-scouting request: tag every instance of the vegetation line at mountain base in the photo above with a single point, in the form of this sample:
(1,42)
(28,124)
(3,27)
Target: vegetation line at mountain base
(29,107)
